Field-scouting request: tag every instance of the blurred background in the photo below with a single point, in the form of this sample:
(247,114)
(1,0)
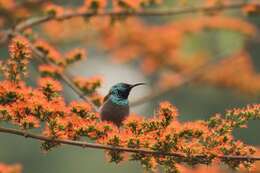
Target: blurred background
(195,100)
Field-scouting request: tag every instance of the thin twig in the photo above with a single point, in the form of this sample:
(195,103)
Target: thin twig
(66,77)
(116,148)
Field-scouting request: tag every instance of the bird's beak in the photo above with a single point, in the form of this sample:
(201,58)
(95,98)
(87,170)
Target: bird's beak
(137,84)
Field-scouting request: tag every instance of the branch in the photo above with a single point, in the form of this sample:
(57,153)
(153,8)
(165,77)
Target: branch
(115,148)
(154,12)
(66,78)
(186,79)
(170,12)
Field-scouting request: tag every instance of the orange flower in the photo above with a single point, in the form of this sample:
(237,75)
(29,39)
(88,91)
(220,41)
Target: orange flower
(53,9)
(19,48)
(134,4)
(50,70)
(167,112)
(78,106)
(134,123)
(30,121)
(75,55)
(84,110)
(88,85)
(20,53)
(50,83)
(53,54)
(119,5)
(252,8)
(8,5)
(93,5)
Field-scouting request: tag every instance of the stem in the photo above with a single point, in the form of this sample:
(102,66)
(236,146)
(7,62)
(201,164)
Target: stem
(110,147)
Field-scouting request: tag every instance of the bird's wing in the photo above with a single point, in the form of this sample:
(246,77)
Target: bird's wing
(106,97)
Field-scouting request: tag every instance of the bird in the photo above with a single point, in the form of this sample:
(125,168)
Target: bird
(115,106)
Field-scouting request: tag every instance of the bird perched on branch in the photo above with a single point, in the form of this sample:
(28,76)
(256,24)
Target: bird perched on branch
(116,106)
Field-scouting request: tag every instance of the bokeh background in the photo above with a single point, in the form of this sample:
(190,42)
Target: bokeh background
(194,101)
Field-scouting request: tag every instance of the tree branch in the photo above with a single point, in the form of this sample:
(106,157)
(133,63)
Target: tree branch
(154,12)
(159,12)
(66,78)
(116,148)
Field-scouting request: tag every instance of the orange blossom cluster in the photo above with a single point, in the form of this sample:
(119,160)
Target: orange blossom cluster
(20,54)
(199,142)
(89,86)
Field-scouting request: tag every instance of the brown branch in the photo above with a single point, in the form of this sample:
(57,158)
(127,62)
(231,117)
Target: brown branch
(159,12)
(116,148)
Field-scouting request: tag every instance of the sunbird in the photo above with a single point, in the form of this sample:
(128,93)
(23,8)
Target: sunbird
(115,107)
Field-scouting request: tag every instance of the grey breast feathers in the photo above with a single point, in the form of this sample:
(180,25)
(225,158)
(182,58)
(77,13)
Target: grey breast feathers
(113,112)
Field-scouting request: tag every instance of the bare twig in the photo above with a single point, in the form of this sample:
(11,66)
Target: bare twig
(116,148)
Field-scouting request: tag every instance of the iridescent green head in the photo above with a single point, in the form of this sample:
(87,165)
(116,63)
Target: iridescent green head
(119,93)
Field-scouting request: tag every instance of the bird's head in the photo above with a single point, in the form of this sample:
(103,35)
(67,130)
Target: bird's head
(121,90)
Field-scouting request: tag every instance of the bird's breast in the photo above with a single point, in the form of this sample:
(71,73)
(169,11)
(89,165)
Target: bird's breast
(113,112)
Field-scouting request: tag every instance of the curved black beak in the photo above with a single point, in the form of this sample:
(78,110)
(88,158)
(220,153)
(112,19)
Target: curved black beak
(137,84)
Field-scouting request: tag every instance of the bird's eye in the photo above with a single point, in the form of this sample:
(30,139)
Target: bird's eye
(116,92)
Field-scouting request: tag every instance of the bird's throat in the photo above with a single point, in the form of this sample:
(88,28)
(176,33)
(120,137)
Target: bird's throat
(118,100)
